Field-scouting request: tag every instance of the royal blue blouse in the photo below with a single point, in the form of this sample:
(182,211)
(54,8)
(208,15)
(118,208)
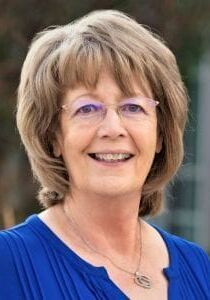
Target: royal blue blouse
(36,264)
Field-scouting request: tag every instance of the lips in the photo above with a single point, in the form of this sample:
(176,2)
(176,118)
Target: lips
(111,157)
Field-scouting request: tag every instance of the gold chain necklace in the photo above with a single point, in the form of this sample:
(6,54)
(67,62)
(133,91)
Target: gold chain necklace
(139,279)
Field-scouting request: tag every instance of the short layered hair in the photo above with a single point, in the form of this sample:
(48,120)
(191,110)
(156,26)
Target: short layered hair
(62,57)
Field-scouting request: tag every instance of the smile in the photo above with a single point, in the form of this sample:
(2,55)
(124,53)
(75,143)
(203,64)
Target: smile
(111,157)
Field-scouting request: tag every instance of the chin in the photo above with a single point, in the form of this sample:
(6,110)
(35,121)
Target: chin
(114,188)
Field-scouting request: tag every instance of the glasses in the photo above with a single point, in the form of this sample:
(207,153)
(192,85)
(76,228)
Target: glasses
(90,112)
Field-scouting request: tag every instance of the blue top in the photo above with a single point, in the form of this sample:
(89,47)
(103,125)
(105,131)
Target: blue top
(36,264)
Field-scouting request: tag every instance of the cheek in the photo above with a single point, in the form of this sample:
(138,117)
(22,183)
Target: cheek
(76,142)
(145,138)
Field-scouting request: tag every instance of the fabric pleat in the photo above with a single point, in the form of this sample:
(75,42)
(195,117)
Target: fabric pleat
(36,265)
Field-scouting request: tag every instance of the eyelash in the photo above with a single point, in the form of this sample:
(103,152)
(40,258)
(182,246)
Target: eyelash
(85,107)
(124,107)
(133,105)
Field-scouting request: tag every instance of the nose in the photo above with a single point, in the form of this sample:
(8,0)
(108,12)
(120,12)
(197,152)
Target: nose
(111,126)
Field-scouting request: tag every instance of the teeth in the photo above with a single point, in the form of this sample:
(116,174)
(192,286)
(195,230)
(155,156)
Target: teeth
(112,156)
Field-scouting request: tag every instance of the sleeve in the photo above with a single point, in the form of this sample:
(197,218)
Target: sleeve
(203,262)
(195,264)
(9,283)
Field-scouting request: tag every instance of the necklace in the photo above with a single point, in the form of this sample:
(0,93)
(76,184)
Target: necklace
(139,279)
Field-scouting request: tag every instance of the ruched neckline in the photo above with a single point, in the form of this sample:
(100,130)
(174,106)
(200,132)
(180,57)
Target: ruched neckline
(37,264)
(36,223)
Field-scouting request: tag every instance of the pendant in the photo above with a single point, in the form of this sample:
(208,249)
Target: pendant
(142,281)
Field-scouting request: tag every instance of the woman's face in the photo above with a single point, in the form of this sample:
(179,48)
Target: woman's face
(105,154)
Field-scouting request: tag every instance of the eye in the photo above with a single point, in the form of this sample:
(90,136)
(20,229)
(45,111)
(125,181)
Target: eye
(87,109)
(132,108)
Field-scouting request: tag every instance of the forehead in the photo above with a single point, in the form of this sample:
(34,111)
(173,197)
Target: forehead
(106,89)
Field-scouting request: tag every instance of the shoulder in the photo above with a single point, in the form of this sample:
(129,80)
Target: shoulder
(12,255)
(13,242)
(190,256)
(10,239)
(14,233)
(189,250)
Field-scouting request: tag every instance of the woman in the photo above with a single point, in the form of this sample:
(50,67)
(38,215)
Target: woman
(101,112)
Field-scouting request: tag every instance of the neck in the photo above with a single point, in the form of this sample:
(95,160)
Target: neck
(109,224)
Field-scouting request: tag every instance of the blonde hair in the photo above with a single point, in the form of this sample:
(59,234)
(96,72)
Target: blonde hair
(65,56)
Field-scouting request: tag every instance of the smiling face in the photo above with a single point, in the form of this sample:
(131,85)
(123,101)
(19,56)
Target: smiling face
(111,157)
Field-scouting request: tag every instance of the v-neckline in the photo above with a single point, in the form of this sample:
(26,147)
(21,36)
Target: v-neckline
(170,272)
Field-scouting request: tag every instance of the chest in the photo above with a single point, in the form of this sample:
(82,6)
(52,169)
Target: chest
(126,283)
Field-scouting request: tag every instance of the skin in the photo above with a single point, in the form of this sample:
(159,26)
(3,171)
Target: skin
(75,141)
(104,198)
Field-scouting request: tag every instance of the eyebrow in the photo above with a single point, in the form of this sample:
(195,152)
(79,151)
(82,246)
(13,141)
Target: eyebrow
(87,95)
(96,97)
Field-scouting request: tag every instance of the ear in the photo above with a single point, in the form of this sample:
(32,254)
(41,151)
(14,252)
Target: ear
(56,149)
(56,146)
(159,143)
